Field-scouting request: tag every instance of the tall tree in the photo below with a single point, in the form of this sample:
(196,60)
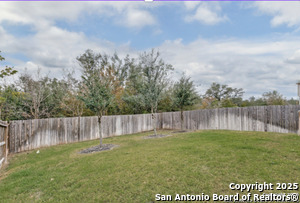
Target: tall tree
(155,80)
(97,88)
(36,93)
(184,95)
(42,95)
(71,105)
(273,98)
(224,95)
(117,75)
(133,96)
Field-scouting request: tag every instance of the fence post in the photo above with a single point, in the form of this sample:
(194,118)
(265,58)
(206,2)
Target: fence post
(3,141)
(6,142)
(299,123)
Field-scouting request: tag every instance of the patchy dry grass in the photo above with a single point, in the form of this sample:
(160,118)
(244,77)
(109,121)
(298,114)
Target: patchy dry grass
(185,163)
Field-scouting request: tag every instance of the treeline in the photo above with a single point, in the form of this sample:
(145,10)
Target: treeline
(110,85)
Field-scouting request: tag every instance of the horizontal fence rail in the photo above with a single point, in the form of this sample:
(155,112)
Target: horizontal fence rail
(31,134)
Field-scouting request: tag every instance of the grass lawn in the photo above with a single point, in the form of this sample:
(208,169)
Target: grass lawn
(185,163)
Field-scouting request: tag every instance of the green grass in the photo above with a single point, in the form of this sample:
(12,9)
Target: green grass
(185,163)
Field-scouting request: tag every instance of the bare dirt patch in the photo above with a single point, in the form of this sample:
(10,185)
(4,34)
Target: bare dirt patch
(97,148)
(180,131)
(156,136)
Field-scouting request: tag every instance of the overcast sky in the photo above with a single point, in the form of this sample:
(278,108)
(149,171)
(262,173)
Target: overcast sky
(249,45)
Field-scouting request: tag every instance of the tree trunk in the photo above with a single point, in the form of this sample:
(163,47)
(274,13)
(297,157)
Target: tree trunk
(181,120)
(100,132)
(153,121)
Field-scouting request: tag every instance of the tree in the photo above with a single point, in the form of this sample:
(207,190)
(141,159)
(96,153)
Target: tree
(10,103)
(208,102)
(292,101)
(116,75)
(184,95)
(133,97)
(231,96)
(252,101)
(71,105)
(42,96)
(273,98)
(166,104)
(96,90)
(36,93)
(7,71)
(154,80)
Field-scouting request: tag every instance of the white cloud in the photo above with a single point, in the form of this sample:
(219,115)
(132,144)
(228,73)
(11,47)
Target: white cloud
(283,12)
(38,14)
(5,38)
(295,58)
(138,18)
(252,65)
(190,5)
(44,14)
(206,12)
(55,49)
(52,48)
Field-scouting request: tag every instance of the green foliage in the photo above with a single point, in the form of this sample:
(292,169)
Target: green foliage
(273,98)
(155,79)
(146,84)
(269,98)
(42,96)
(96,89)
(134,103)
(166,104)
(118,75)
(133,98)
(227,103)
(220,92)
(10,103)
(292,101)
(71,105)
(223,96)
(252,101)
(184,93)
(7,71)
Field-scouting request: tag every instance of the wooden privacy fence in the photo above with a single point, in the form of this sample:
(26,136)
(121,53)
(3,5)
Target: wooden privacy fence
(282,119)
(3,142)
(32,134)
